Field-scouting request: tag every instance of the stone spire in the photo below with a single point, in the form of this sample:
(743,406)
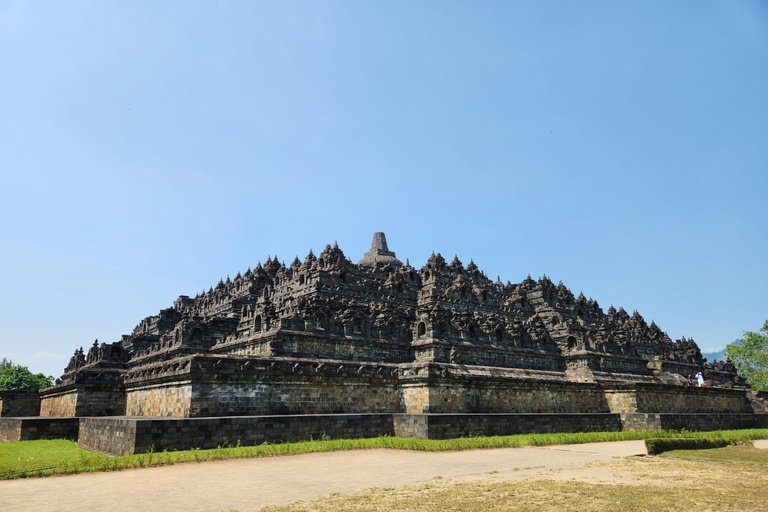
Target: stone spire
(379,253)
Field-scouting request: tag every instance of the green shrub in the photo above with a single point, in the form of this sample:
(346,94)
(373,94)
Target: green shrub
(661,445)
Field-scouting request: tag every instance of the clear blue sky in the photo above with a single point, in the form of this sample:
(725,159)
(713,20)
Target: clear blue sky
(149,148)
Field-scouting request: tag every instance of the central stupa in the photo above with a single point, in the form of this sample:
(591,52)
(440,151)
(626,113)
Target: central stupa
(379,253)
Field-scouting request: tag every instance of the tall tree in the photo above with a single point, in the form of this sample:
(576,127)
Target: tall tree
(17,377)
(750,355)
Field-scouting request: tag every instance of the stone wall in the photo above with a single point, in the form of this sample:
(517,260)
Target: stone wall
(498,357)
(415,397)
(10,429)
(170,399)
(297,395)
(344,348)
(60,404)
(318,345)
(19,403)
(83,400)
(101,401)
(28,429)
(257,347)
(654,398)
(622,400)
(694,421)
(235,386)
(118,436)
(617,367)
(493,396)
(666,399)
(115,436)
(249,387)
(448,426)
(411,425)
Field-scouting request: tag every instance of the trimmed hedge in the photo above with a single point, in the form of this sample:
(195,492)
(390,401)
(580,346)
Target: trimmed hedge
(661,445)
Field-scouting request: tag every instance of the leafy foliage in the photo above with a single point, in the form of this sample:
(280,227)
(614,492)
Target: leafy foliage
(17,377)
(657,446)
(750,356)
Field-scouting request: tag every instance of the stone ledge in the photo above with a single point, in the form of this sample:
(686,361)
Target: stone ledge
(693,421)
(17,403)
(33,428)
(448,425)
(120,435)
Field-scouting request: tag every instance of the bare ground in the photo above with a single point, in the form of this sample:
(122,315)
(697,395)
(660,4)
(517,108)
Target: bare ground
(249,484)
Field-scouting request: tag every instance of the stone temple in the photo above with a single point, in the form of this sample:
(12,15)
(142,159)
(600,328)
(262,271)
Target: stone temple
(331,347)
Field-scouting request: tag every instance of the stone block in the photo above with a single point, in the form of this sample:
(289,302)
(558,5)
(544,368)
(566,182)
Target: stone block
(19,403)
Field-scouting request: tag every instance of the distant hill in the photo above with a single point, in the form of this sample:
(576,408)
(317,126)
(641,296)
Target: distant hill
(714,356)
(718,355)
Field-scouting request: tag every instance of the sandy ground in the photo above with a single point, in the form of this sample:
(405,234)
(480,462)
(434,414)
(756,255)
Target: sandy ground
(761,443)
(248,484)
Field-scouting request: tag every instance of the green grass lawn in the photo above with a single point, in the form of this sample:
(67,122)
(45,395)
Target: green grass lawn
(43,458)
(30,455)
(743,454)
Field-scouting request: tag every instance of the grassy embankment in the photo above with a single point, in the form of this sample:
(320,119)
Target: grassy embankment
(43,458)
(733,478)
(742,454)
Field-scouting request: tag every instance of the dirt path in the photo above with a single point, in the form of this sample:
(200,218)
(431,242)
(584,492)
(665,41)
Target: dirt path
(248,484)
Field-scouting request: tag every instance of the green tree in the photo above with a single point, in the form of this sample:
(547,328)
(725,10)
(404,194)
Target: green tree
(17,377)
(750,355)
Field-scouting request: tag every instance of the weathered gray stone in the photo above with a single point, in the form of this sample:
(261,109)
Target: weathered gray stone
(29,429)
(19,403)
(379,253)
(327,336)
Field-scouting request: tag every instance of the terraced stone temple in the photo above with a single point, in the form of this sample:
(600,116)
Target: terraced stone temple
(328,346)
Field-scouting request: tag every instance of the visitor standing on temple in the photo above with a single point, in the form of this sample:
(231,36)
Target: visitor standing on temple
(690,380)
(700,379)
